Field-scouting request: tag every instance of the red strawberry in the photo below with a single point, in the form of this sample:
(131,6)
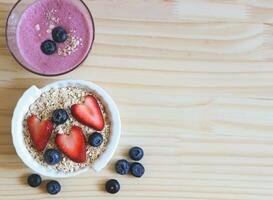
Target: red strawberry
(40,131)
(73,144)
(89,113)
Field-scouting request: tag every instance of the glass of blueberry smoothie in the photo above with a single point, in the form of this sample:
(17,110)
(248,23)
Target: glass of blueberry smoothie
(50,37)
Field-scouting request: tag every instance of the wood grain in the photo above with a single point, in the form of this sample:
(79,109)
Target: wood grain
(195,90)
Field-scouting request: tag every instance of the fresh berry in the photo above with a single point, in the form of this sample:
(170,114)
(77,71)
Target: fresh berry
(34,180)
(59,116)
(52,156)
(122,167)
(72,144)
(48,47)
(137,169)
(89,113)
(59,34)
(112,186)
(53,187)
(40,131)
(136,153)
(95,140)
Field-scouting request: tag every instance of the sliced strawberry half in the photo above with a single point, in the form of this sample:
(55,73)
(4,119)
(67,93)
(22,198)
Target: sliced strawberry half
(40,131)
(72,144)
(89,113)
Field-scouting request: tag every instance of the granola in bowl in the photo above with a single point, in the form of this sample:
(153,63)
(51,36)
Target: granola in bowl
(65,128)
(64,98)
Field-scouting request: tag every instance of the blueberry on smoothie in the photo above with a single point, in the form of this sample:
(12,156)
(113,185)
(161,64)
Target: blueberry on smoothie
(48,47)
(59,34)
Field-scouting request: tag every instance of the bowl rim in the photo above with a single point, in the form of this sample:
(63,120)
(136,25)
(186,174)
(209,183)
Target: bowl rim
(31,94)
(57,74)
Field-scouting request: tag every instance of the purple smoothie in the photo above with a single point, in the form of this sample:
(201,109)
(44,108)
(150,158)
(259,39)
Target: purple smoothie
(35,26)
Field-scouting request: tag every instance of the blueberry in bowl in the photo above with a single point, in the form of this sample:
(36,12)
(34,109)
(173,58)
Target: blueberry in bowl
(96,139)
(52,156)
(59,116)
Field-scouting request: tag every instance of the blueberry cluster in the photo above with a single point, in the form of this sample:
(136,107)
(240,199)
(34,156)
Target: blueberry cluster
(52,187)
(123,167)
(59,35)
(136,169)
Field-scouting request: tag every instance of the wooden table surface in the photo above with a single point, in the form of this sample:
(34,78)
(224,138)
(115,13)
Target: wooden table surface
(194,87)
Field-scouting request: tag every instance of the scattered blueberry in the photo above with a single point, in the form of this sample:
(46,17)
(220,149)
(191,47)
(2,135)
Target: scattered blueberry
(48,47)
(53,187)
(95,140)
(59,116)
(52,156)
(136,153)
(112,186)
(34,180)
(59,34)
(122,167)
(137,169)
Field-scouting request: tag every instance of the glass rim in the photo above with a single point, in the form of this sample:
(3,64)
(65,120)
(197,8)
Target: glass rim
(58,74)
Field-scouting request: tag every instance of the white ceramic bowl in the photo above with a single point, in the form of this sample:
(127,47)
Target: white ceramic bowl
(31,95)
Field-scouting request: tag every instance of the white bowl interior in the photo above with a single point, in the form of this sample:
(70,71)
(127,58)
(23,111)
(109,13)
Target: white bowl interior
(29,98)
